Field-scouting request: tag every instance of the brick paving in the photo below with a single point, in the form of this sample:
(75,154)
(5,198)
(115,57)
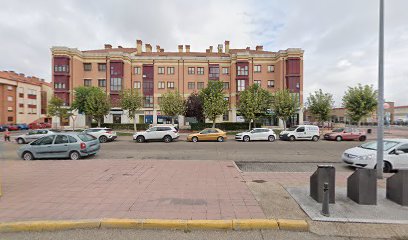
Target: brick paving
(87,189)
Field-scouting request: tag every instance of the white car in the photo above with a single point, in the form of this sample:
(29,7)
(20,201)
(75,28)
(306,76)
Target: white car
(364,156)
(301,132)
(256,134)
(103,134)
(165,133)
(33,135)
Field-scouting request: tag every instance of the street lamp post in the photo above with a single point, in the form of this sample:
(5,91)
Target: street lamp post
(380,110)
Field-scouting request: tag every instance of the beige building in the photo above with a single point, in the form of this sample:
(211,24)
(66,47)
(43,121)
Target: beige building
(24,99)
(154,72)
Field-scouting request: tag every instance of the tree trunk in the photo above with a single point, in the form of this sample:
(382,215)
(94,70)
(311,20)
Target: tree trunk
(284,125)
(213,123)
(359,124)
(172,121)
(249,127)
(254,123)
(99,122)
(134,123)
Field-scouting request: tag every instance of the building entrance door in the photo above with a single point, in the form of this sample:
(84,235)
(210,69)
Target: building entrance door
(117,118)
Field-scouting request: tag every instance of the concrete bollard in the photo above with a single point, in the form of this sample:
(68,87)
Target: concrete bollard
(326,198)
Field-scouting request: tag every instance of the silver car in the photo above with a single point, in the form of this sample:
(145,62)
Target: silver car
(61,145)
(33,135)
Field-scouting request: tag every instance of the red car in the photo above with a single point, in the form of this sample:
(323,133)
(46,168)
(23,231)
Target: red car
(341,134)
(13,128)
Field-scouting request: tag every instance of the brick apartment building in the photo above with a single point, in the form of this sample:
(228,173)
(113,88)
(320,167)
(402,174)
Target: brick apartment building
(154,72)
(23,99)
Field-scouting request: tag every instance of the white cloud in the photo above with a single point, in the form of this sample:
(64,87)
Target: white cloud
(344,63)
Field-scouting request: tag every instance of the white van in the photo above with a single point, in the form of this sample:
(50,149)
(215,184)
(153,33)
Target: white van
(301,132)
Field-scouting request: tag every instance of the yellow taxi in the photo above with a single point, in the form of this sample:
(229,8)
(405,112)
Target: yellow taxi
(208,134)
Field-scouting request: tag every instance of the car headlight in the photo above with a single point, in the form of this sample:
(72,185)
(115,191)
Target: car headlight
(366,157)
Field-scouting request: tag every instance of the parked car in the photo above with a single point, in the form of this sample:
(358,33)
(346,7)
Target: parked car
(23,126)
(33,135)
(301,132)
(2,128)
(164,133)
(364,156)
(263,134)
(208,134)
(34,125)
(60,145)
(103,134)
(13,127)
(341,134)
(45,125)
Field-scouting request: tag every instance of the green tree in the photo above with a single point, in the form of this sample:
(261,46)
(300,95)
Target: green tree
(360,101)
(253,102)
(320,104)
(56,108)
(284,104)
(194,107)
(97,104)
(131,100)
(214,103)
(81,94)
(172,104)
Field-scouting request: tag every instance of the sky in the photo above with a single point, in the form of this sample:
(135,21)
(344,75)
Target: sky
(340,38)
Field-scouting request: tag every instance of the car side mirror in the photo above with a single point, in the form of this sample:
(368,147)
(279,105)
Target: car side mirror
(398,152)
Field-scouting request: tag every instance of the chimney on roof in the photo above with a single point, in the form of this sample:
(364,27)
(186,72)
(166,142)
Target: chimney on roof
(161,50)
(139,46)
(211,48)
(226,46)
(187,48)
(42,80)
(180,48)
(219,48)
(108,46)
(207,50)
(248,48)
(21,74)
(158,48)
(259,48)
(120,46)
(148,47)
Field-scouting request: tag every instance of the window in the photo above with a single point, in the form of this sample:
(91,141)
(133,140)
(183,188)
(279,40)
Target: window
(225,117)
(271,83)
(161,85)
(61,139)
(191,70)
(102,83)
(137,85)
(21,91)
(170,84)
(59,86)
(72,139)
(148,101)
(87,82)
(87,67)
(101,67)
(214,72)
(200,70)
(271,68)
(45,140)
(10,109)
(240,85)
(60,68)
(9,98)
(32,92)
(200,85)
(257,82)
(191,85)
(170,70)
(10,119)
(116,84)
(161,70)
(136,70)
(403,148)
(225,85)
(10,88)
(297,85)
(257,68)
(242,70)
(225,70)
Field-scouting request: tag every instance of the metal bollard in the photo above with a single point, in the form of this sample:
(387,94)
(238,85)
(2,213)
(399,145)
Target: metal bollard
(325,203)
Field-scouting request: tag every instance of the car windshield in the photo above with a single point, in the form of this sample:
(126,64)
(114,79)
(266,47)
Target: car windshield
(338,130)
(86,137)
(293,128)
(373,145)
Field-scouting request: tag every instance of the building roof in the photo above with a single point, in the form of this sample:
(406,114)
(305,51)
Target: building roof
(406,106)
(155,53)
(20,77)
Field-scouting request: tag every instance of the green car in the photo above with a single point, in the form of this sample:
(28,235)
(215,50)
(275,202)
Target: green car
(60,145)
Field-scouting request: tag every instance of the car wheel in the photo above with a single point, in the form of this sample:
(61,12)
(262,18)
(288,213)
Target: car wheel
(28,156)
(20,141)
(362,138)
(167,139)
(315,138)
(387,168)
(339,138)
(246,139)
(292,138)
(271,138)
(74,155)
(103,139)
(140,139)
(220,139)
(194,139)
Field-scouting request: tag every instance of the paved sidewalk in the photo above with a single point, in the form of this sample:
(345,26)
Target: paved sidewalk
(85,189)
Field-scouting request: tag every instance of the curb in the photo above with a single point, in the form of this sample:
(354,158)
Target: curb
(106,223)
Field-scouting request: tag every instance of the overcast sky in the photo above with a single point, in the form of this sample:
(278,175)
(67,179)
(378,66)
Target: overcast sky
(340,38)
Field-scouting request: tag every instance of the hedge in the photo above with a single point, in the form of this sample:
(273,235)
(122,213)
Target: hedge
(123,126)
(231,126)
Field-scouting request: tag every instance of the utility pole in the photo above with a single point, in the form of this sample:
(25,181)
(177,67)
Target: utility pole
(380,110)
